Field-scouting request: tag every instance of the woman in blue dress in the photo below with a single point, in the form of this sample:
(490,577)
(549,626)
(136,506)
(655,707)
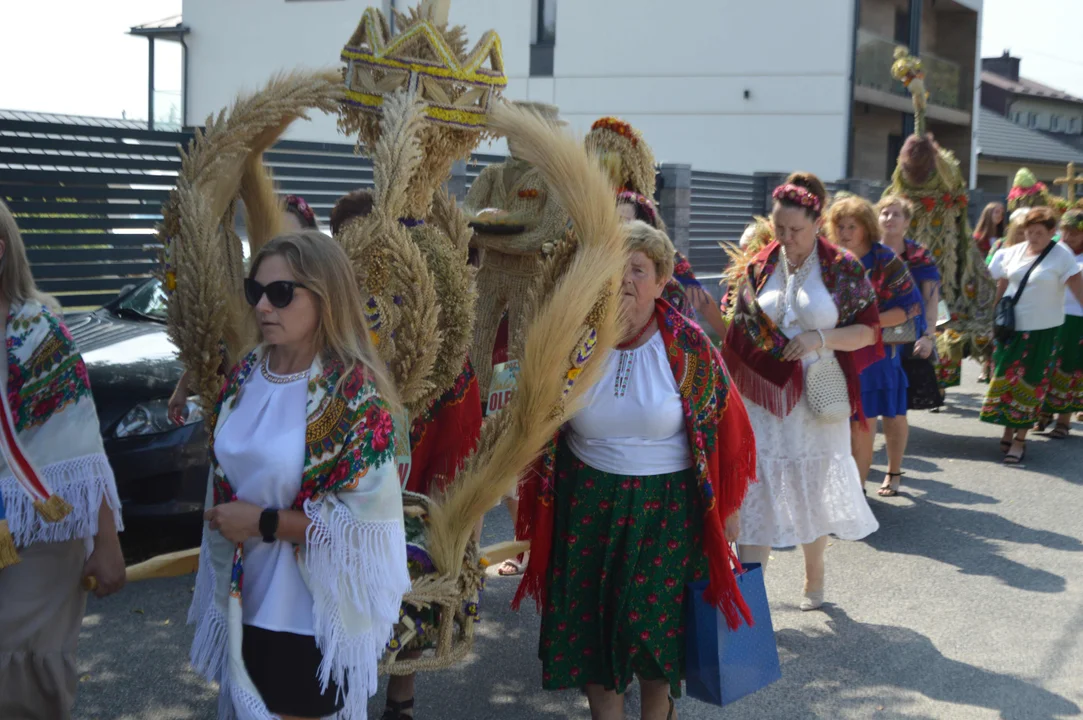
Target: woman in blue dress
(852,224)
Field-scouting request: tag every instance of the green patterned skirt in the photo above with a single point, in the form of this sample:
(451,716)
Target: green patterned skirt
(1022,373)
(624,548)
(1066,389)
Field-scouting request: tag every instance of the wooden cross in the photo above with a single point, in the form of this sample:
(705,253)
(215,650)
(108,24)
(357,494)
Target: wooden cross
(1071,180)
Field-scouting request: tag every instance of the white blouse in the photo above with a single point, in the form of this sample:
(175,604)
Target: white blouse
(814,308)
(261,449)
(632,422)
(1041,306)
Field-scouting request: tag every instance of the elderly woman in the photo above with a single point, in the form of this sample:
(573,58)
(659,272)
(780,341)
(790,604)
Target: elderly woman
(683,290)
(1023,365)
(637,497)
(853,225)
(303,563)
(1066,391)
(59,510)
(802,301)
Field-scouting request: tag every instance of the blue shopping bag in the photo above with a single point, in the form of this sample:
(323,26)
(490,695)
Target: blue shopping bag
(723,665)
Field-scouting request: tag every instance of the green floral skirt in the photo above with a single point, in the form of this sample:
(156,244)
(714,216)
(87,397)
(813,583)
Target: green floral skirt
(949,372)
(1023,371)
(624,548)
(1066,388)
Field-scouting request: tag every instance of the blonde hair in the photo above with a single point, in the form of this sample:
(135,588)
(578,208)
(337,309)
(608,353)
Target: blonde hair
(900,200)
(16,281)
(653,243)
(321,265)
(857,208)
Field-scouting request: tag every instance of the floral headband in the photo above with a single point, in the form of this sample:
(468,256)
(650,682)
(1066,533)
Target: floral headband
(797,195)
(1072,220)
(297,204)
(641,201)
(619,127)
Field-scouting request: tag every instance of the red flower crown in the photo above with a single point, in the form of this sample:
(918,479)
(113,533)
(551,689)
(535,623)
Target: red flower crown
(297,204)
(619,127)
(797,195)
(634,198)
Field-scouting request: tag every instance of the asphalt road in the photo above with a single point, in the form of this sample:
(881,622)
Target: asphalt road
(968,603)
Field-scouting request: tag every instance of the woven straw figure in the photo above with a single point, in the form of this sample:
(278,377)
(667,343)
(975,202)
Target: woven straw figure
(1028,192)
(931,178)
(625,154)
(522,223)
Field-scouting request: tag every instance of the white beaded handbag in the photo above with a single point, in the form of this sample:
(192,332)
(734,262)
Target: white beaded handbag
(825,390)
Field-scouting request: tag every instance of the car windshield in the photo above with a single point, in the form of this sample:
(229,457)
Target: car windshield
(148,299)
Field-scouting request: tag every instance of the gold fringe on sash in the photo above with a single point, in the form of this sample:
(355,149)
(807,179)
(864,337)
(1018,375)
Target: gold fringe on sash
(8,554)
(53,509)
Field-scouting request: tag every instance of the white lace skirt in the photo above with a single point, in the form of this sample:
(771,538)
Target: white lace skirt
(808,482)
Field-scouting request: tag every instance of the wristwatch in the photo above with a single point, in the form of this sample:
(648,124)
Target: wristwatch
(268,524)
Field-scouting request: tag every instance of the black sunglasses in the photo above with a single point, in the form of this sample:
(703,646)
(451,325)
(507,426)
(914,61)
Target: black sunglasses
(279,293)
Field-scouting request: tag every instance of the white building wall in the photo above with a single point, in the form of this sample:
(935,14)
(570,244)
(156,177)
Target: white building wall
(676,70)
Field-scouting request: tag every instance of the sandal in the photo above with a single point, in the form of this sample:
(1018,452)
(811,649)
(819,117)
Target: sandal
(510,568)
(397,710)
(890,488)
(1010,459)
(1005,446)
(1060,432)
(1043,422)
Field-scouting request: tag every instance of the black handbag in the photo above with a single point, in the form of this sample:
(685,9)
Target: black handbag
(1004,318)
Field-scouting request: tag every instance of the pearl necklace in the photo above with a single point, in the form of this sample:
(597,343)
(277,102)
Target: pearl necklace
(271,377)
(791,283)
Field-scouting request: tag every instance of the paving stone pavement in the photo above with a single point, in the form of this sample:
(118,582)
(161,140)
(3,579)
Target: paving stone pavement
(967,603)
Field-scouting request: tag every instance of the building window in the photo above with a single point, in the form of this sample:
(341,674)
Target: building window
(1073,125)
(1054,123)
(545,38)
(1032,120)
(1018,118)
(902,26)
(547,22)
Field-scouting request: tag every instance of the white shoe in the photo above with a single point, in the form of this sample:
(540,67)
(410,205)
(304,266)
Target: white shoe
(813,600)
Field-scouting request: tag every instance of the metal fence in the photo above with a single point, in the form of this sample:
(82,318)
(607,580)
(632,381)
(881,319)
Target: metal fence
(87,194)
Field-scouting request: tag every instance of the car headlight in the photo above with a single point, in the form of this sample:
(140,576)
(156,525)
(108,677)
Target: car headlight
(151,418)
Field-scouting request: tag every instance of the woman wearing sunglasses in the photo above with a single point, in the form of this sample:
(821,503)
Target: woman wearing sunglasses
(303,563)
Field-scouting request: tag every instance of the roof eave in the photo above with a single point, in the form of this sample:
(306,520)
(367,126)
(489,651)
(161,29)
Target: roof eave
(167,33)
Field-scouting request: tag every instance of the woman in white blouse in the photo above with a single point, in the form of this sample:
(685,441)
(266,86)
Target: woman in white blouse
(638,499)
(305,510)
(1024,365)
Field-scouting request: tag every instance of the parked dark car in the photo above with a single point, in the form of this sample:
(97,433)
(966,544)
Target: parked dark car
(161,469)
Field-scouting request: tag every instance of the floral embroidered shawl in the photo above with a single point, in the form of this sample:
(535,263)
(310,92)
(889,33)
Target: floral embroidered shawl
(724,454)
(683,279)
(893,283)
(921,263)
(63,474)
(754,343)
(354,557)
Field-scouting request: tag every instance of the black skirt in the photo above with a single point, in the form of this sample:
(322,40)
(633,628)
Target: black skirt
(924,390)
(283,668)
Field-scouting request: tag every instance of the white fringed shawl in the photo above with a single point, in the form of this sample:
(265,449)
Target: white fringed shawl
(56,428)
(354,557)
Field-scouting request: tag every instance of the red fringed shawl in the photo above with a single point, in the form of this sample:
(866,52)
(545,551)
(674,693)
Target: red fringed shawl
(754,344)
(724,454)
(444,434)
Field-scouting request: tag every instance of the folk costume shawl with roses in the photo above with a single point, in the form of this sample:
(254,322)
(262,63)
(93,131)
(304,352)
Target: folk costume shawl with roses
(354,557)
(921,263)
(723,452)
(754,344)
(894,285)
(61,474)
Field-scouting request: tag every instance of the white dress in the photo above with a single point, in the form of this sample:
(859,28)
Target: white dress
(808,484)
